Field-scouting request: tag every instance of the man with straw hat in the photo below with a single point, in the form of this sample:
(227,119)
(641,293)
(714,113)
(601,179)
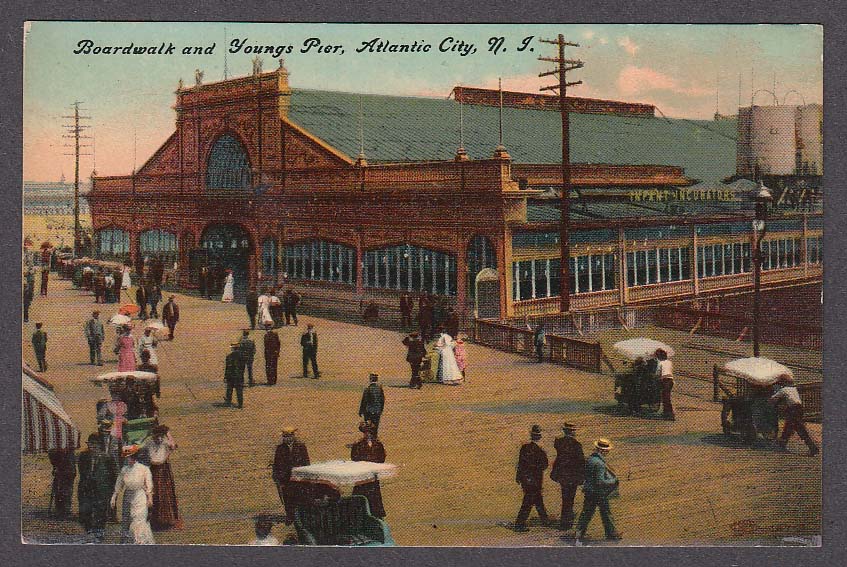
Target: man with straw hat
(600,483)
(568,470)
(290,453)
(532,462)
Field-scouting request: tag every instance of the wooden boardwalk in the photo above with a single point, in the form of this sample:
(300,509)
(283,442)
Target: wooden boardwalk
(681,482)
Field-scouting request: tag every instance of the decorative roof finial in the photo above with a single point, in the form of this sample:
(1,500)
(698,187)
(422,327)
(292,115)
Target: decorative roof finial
(179,85)
(257,66)
(198,77)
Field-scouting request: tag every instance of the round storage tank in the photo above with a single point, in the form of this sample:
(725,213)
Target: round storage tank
(773,139)
(810,139)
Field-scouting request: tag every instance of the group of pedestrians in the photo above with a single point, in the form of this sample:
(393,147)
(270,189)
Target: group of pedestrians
(243,353)
(269,310)
(571,470)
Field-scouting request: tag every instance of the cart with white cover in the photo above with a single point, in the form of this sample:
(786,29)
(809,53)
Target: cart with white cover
(746,411)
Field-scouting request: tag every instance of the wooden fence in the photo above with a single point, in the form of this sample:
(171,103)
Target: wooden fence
(738,327)
(578,353)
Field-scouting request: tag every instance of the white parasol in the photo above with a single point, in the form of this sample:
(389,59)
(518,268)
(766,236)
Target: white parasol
(641,347)
(116,376)
(343,473)
(119,320)
(757,370)
(154,325)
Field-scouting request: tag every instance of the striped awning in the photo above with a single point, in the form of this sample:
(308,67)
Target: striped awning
(45,424)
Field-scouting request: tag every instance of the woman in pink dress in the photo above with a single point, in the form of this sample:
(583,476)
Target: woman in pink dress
(461,355)
(125,350)
(117,407)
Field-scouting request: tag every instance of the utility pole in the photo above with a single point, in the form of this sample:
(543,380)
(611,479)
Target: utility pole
(75,131)
(563,66)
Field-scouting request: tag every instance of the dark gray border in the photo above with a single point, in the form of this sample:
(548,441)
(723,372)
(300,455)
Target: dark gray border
(13,552)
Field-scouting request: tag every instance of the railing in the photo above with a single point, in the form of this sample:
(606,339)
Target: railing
(578,353)
(736,327)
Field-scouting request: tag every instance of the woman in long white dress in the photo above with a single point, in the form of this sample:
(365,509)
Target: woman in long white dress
(229,288)
(149,343)
(448,370)
(136,483)
(126,282)
(264,302)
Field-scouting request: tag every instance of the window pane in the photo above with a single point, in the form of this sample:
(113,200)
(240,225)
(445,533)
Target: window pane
(610,261)
(555,275)
(582,274)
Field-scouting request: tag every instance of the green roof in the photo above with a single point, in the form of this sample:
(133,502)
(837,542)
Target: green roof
(398,129)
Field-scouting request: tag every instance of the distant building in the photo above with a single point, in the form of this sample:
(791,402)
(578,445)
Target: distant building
(349,196)
(53,197)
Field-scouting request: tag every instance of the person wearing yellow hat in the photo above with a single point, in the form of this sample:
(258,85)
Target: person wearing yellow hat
(600,483)
(290,453)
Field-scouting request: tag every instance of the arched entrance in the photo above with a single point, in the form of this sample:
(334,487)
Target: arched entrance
(223,247)
(487,293)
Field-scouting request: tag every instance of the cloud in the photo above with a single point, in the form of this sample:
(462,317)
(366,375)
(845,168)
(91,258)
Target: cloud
(628,45)
(634,80)
(603,41)
(589,34)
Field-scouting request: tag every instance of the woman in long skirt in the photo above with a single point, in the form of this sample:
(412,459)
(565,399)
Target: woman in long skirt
(126,282)
(125,349)
(448,370)
(461,355)
(136,483)
(229,288)
(165,513)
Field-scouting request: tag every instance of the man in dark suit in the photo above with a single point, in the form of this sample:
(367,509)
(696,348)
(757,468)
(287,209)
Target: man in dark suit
(39,345)
(568,470)
(141,300)
(415,355)
(290,302)
(170,316)
(290,453)
(532,462)
(234,375)
(373,402)
(204,282)
(27,301)
(406,310)
(309,342)
(251,303)
(248,353)
(271,355)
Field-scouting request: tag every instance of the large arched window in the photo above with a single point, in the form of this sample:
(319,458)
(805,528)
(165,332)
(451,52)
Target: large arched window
(160,244)
(228,167)
(321,260)
(480,255)
(112,244)
(269,260)
(410,268)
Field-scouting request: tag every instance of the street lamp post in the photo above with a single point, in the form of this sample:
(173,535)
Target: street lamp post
(763,199)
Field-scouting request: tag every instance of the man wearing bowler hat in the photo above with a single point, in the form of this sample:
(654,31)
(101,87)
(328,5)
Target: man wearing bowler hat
(373,402)
(600,483)
(532,462)
(568,470)
(415,355)
(234,375)
(290,453)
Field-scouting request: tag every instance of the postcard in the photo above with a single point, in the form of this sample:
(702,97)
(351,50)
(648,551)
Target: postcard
(498,285)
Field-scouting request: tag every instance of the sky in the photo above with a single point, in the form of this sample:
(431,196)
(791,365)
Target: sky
(685,70)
